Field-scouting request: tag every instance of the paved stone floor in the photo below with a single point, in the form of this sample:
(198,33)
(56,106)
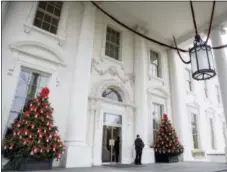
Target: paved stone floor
(173,167)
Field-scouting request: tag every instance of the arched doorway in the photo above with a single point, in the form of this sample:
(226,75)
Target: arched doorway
(112,130)
(112,106)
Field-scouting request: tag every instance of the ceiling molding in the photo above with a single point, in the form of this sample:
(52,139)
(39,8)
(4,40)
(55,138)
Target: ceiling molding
(217,22)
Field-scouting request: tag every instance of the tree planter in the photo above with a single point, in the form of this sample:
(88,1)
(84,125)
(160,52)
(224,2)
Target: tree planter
(166,158)
(29,164)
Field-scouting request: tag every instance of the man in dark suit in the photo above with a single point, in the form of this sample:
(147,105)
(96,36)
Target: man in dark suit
(117,149)
(139,145)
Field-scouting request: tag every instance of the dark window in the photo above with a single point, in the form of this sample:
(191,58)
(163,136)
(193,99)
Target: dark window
(112,94)
(48,15)
(218,94)
(212,133)
(205,89)
(188,80)
(112,43)
(157,116)
(194,131)
(155,64)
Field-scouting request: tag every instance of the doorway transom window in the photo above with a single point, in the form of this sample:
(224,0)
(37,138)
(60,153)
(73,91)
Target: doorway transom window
(112,94)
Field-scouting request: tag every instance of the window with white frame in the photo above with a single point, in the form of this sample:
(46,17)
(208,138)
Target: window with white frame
(157,116)
(112,48)
(205,89)
(155,63)
(188,79)
(194,124)
(212,137)
(29,85)
(48,15)
(218,94)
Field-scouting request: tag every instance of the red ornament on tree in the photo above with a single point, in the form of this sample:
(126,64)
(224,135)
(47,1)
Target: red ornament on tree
(45,91)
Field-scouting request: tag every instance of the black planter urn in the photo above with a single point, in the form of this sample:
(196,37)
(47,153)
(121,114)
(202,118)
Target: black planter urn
(28,164)
(166,158)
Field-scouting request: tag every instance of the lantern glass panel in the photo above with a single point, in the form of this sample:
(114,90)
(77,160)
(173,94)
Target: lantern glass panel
(193,62)
(202,58)
(211,59)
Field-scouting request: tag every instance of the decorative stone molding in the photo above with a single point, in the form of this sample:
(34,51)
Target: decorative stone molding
(129,106)
(38,50)
(11,70)
(193,104)
(58,81)
(113,71)
(163,91)
(102,85)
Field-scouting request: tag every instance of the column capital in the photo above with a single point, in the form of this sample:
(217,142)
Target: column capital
(220,29)
(141,29)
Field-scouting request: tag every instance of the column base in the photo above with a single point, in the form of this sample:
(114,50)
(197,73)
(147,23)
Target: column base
(148,155)
(77,155)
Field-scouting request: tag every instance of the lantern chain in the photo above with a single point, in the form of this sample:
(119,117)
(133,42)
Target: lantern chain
(211,20)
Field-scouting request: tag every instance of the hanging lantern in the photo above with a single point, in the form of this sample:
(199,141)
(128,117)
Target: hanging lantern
(201,58)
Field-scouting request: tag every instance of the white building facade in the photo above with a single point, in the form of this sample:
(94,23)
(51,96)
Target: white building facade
(106,82)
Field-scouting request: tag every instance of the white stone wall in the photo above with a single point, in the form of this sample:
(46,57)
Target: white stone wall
(25,45)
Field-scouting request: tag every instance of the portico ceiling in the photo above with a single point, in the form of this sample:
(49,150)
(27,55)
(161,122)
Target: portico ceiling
(164,20)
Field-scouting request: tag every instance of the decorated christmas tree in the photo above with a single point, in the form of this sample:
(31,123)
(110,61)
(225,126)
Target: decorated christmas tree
(33,133)
(167,141)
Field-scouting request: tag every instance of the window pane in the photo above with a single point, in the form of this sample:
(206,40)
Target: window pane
(112,119)
(42,5)
(212,134)
(39,15)
(12,117)
(157,116)
(18,104)
(55,21)
(57,12)
(46,26)
(53,29)
(112,94)
(154,57)
(194,130)
(47,18)
(38,23)
(50,9)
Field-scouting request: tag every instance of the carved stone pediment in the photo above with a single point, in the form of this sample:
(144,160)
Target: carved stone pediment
(38,50)
(113,71)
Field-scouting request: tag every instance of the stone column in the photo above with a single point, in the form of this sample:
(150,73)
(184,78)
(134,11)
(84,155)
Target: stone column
(221,68)
(141,82)
(178,96)
(78,153)
(141,61)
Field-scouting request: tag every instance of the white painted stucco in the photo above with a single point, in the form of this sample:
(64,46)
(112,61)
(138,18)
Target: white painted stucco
(80,71)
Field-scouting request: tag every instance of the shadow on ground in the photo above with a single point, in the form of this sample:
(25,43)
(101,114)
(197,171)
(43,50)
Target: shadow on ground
(171,167)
